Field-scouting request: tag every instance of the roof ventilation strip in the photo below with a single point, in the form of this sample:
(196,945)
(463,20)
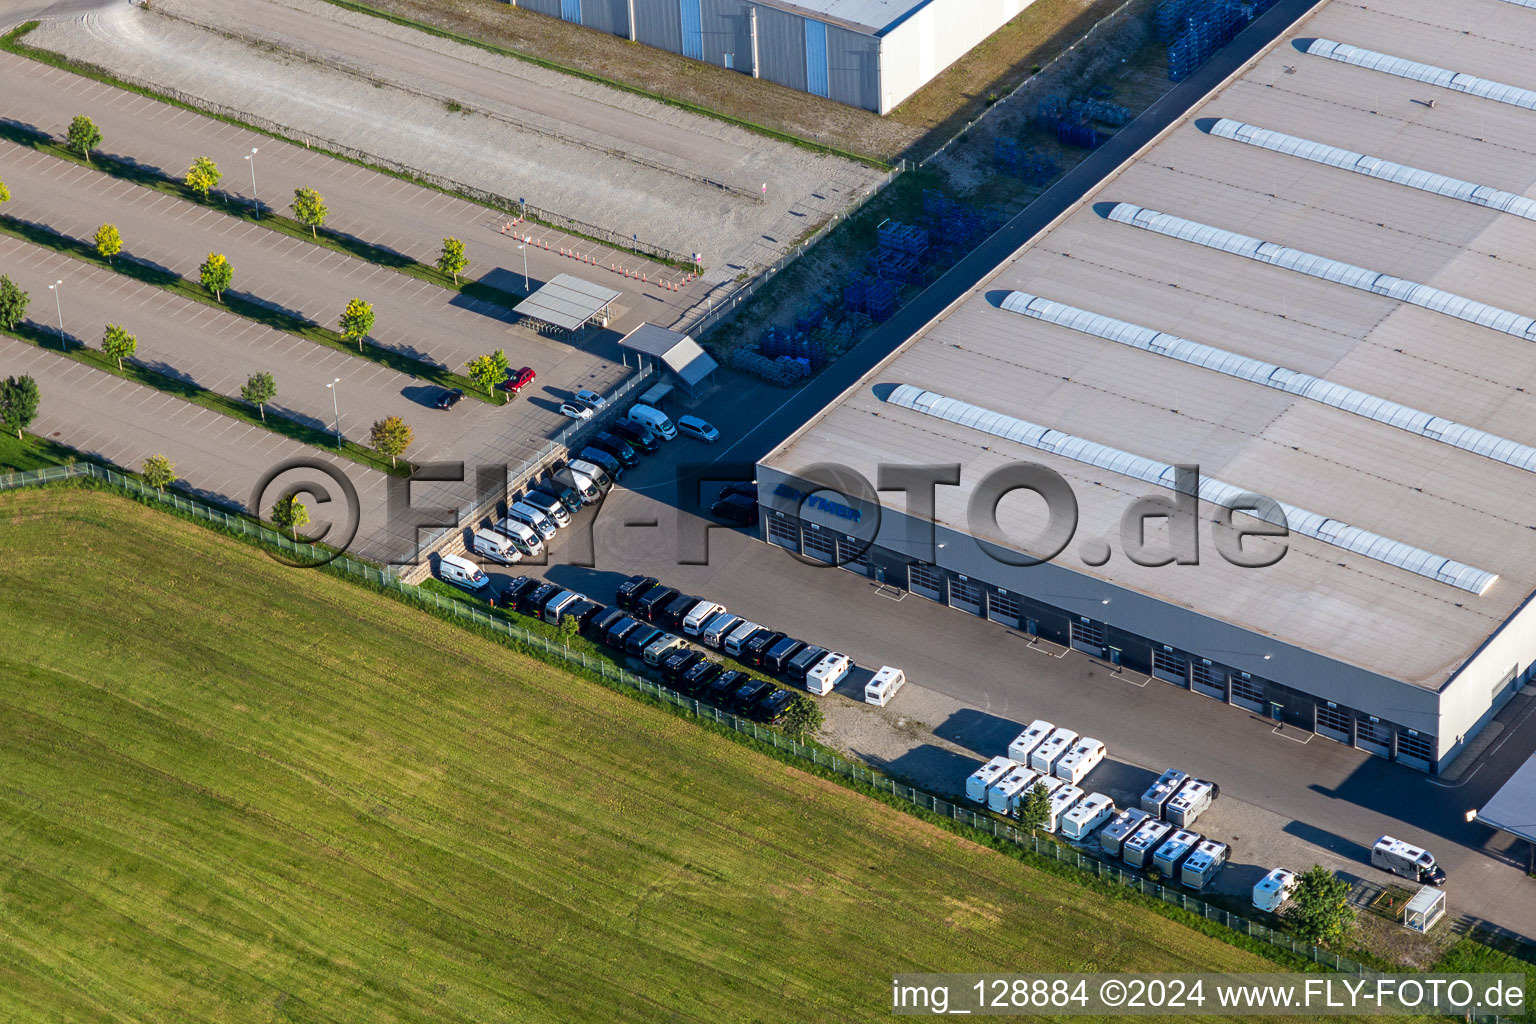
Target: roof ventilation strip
(1426,73)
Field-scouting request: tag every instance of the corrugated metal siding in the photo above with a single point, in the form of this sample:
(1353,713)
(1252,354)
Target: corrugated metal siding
(549,7)
(727,30)
(659,23)
(815,57)
(570,10)
(610,16)
(853,68)
(693,32)
(781,47)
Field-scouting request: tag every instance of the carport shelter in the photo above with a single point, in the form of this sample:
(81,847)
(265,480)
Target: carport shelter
(689,365)
(568,303)
(1513,808)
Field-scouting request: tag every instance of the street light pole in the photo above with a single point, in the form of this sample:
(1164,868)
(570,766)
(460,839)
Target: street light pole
(59,305)
(524,248)
(255,202)
(336,408)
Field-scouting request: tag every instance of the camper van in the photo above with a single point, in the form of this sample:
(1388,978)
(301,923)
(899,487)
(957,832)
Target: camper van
(718,628)
(495,546)
(1044,757)
(557,606)
(593,472)
(461,572)
(529,516)
(1003,793)
(827,673)
(653,419)
(1094,810)
(738,637)
(982,778)
(522,537)
(1077,762)
(1203,865)
(1155,799)
(1407,861)
(661,646)
(1120,828)
(1274,889)
(582,484)
(1191,801)
(1063,800)
(879,690)
(1170,854)
(1137,848)
(1025,743)
(802,661)
(693,622)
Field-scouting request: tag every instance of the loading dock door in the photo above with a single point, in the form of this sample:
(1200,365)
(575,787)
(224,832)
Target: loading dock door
(820,544)
(853,555)
(1170,667)
(1088,636)
(1334,724)
(1208,680)
(925,581)
(784,532)
(965,596)
(1247,694)
(1005,608)
(1373,737)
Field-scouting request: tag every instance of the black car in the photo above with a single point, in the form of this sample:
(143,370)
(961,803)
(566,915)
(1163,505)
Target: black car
(598,626)
(617,447)
(584,611)
(641,638)
(737,508)
(676,610)
(746,697)
(725,685)
(754,650)
(619,631)
(777,657)
(450,398)
(803,662)
(651,603)
(632,589)
(698,677)
(677,662)
(637,436)
(603,460)
(531,602)
(774,707)
(741,487)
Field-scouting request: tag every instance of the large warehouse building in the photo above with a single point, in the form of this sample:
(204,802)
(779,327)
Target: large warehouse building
(1316,288)
(866,53)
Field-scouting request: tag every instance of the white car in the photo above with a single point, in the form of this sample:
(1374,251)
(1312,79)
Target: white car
(694,427)
(575,411)
(591,399)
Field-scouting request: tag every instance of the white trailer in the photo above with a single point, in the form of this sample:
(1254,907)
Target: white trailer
(1274,889)
(1080,821)
(1120,828)
(1002,793)
(976,786)
(1137,848)
(1044,757)
(879,690)
(1191,801)
(1406,860)
(1170,853)
(1026,742)
(1203,865)
(1077,762)
(1062,801)
(1155,799)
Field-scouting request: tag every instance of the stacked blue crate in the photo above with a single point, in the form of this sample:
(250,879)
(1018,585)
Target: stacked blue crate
(1070,133)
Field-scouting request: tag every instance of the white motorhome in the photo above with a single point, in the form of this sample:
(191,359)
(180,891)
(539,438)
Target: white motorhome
(1026,742)
(654,419)
(1120,829)
(1082,758)
(658,648)
(1170,854)
(1044,757)
(1002,794)
(1094,810)
(1203,865)
(1137,848)
(522,536)
(461,572)
(699,615)
(495,546)
(827,673)
(1063,800)
(719,627)
(879,690)
(1406,860)
(1271,891)
(741,634)
(532,517)
(558,605)
(1191,801)
(1156,798)
(982,778)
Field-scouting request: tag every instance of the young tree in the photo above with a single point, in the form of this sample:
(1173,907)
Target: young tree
(5,193)
(488,371)
(159,472)
(108,242)
(309,209)
(569,627)
(1320,910)
(1035,808)
(260,389)
(83,135)
(203,175)
(19,399)
(289,514)
(803,717)
(216,274)
(453,261)
(13,303)
(357,321)
(391,436)
(118,343)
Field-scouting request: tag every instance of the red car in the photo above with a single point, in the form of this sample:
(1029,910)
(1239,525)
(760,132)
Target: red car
(515,382)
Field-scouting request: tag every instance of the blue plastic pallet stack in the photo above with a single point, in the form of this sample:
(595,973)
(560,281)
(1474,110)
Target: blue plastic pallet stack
(1172,18)
(1037,168)
(895,236)
(810,319)
(1049,111)
(1207,29)
(856,291)
(1112,114)
(880,300)
(776,342)
(936,203)
(1072,133)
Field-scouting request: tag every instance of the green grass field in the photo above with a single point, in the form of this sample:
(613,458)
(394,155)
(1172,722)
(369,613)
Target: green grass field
(237,791)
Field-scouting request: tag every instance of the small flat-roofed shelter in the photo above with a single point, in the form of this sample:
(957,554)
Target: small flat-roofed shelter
(688,364)
(1423,911)
(568,303)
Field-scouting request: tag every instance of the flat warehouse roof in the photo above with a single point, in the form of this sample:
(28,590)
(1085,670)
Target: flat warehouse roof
(1334,312)
(1513,808)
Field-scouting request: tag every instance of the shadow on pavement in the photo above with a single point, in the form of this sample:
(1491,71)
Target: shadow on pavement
(934,768)
(987,735)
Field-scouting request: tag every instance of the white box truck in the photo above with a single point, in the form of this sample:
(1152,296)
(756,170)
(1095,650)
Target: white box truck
(1044,757)
(1192,800)
(1271,891)
(1094,810)
(1138,846)
(1120,828)
(1170,853)
(461,572)
(827,673)
(982,778)
(1026,742)
(1083,757)
(1063,800)
(1407,861)
(1203,864)
(1156,798)
(1002,793)
(879,690)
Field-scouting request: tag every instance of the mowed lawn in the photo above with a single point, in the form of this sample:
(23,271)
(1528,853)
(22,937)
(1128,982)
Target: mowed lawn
(230,790)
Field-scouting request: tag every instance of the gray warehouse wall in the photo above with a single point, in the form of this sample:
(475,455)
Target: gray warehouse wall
(659,23)
(610,16)
(727,29)
(781,47)
(853,68)
(549,7)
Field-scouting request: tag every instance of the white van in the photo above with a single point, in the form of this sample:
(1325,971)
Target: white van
(461,572)
(654,419)
(1094,810)
(1044,757)
(1026,742)
(495,546)
(1084,756)
(1274,889)
(597,474)
(699,615)
(827,673)
(580,483)
(558,605)
(1004,793)
(879,690)
(982,778)
(522,536)
(719,627)
(532,517)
